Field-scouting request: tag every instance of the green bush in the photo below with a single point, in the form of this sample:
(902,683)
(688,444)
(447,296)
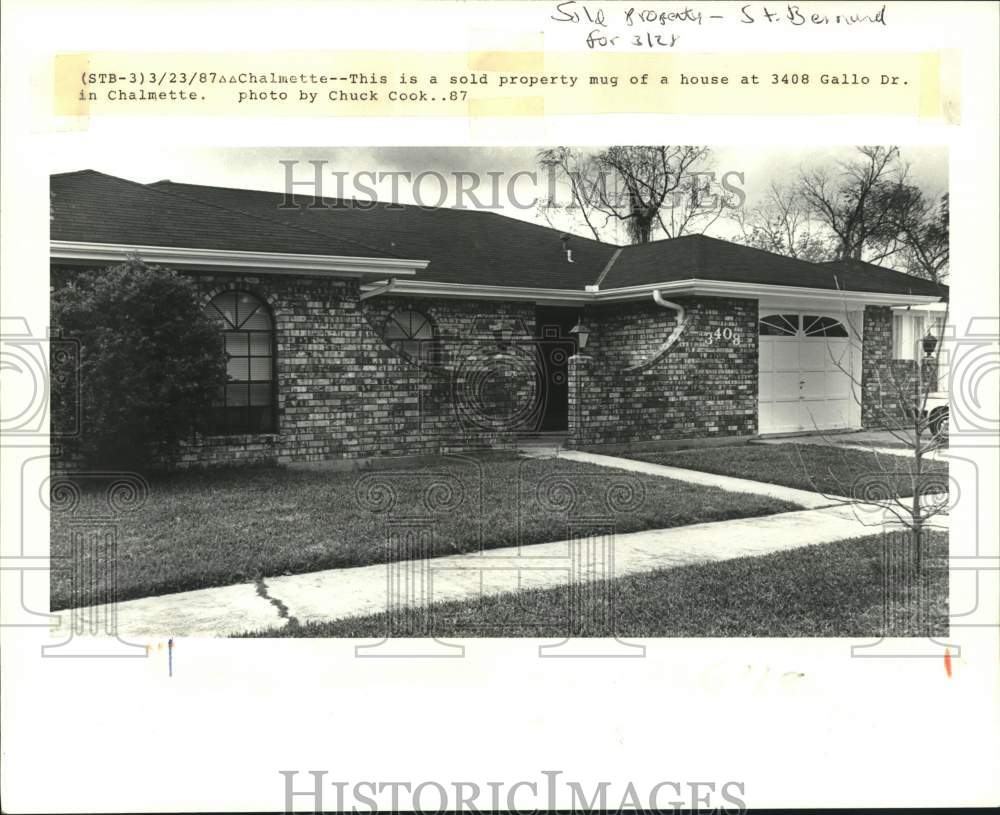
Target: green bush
(151,362)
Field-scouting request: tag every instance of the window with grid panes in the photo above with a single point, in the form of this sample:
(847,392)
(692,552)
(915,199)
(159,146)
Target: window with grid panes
(246,402)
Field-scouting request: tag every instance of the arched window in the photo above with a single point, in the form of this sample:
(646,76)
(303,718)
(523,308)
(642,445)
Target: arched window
(779,325)
(246,401)
(806,325)
(410,333)
(814,326)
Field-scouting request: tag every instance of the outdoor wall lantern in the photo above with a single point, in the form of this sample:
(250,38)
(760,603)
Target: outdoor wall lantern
(582,334)
(929,343)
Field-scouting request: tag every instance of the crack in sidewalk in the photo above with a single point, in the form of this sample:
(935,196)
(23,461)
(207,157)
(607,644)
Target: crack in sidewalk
(283,612)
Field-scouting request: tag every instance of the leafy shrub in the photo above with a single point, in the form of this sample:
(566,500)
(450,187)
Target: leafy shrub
(151,362)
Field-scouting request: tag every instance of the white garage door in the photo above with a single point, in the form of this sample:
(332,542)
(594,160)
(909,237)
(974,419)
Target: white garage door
(805,373)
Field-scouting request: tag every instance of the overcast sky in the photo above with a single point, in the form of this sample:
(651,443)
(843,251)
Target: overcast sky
(260,168)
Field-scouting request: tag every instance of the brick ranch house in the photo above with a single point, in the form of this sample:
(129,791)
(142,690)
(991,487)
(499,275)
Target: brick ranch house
(360,330)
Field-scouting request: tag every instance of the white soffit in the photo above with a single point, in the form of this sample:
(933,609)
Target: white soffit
(786,296)
(269,262)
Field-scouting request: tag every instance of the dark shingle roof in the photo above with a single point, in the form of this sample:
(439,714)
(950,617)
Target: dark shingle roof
(462,246)
(859,272)
(98,208)
(706,258)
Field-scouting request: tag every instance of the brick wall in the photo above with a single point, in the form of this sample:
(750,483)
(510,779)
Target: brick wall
(485,351)
(705,385)
(459,324)
(342,393)
(887,385)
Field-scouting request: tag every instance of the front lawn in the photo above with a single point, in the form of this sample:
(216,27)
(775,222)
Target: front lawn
(215,528)
(820,468)
(827,590)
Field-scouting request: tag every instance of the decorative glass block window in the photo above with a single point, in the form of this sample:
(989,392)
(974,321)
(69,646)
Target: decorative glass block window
(411,334)
(246,401)
(779,325)
(822,327)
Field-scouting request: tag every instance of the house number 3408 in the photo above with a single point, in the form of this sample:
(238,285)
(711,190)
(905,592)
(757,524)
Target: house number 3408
(721,335)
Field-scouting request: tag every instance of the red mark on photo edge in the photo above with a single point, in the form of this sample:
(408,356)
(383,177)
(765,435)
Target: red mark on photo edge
(947,662)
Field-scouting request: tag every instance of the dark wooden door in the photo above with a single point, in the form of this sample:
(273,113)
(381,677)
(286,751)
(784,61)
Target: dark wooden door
(555,346)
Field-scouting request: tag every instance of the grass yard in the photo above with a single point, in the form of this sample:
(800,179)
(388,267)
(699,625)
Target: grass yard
(828,590)
(215,528)
(821,468)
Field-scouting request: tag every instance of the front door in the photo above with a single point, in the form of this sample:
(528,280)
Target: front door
(555,346)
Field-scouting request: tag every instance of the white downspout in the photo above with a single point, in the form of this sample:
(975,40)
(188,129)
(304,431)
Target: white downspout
(378,290)
(658,299)
(674,335)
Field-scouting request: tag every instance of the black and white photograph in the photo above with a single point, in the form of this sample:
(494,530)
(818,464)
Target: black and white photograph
(641,391)
(499,406)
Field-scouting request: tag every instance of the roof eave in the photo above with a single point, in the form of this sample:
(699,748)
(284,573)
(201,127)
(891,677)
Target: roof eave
(194,259)
(691,286)
(722,288)
(430,288)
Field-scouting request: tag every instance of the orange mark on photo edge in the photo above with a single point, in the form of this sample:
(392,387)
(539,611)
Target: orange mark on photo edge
(169,645)
(947,662)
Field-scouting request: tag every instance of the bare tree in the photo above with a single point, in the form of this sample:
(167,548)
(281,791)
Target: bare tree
(644,189)
(923,228)
(852,202)
(695,207)
(898,395)
(782,223)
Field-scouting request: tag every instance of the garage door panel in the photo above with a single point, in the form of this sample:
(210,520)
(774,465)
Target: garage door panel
(765,388)
(804,383)
(764,418)
(785,385)
(826,415)
(841,412)
(838,383)
(838,354)
(785,416)
(785,355)
(813,385)
(813,415)
(813,355)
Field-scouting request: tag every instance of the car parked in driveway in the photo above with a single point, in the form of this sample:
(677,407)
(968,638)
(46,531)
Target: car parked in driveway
(936,411)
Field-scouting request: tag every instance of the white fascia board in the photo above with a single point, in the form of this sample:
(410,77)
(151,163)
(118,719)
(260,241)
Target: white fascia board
(761,291)
(709,288)
(428,288)
(269,262)
(930,307)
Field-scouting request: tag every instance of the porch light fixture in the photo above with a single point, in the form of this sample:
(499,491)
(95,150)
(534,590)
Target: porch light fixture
(929,342)
(582,334)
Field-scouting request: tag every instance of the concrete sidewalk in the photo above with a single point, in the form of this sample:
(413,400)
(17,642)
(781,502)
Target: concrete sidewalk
(804,498)
(880,442)
(339,593)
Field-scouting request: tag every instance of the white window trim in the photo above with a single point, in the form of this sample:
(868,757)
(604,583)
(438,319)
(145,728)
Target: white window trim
(909,327)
